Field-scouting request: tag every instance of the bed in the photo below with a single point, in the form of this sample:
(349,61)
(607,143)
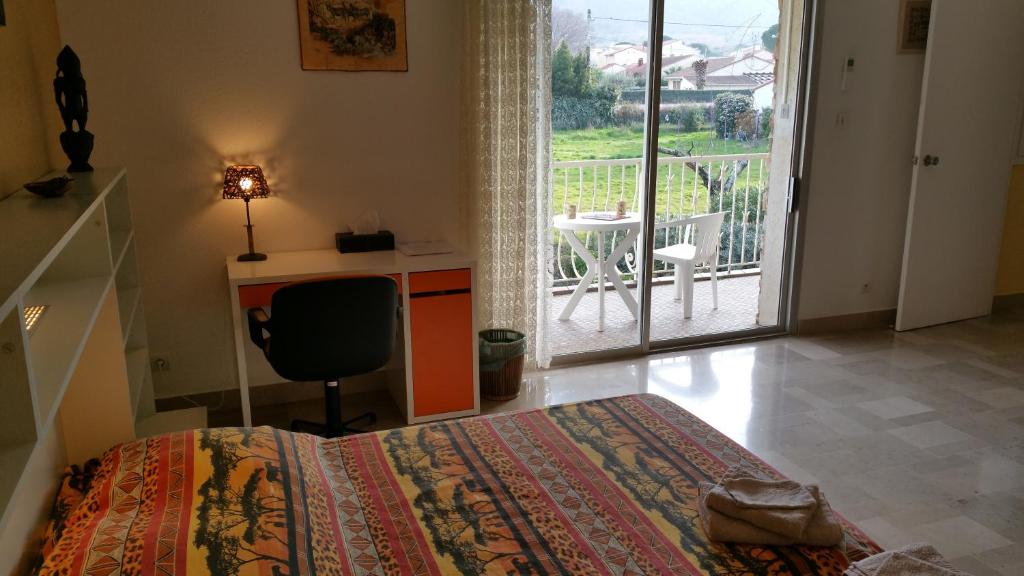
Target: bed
(601,487)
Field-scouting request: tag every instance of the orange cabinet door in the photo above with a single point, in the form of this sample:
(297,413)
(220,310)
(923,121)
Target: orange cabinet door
(442,353)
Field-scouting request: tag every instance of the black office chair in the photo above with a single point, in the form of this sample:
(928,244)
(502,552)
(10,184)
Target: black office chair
(327,330)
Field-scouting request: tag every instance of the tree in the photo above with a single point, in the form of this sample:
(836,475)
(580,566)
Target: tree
(730,107)
(700,71)
(731,110)
(770,38)
(581,74)
(716,182)
(569,28)
(703,49)
(570,73)
(563,72)
(579,99)
(259,510)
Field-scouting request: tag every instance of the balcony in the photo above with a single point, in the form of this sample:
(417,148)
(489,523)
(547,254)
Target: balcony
(737,310)
(687,186)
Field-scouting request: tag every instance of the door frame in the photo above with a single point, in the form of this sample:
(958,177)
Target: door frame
(805,106)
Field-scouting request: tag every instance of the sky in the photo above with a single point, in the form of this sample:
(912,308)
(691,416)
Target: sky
(685,19)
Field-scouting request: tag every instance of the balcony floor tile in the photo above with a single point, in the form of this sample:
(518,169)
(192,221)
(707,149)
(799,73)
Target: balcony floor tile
(737,310)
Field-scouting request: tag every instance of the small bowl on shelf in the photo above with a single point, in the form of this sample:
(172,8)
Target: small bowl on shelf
(52,188)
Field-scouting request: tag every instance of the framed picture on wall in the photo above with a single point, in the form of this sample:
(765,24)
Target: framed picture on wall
(354,35)
(915,16)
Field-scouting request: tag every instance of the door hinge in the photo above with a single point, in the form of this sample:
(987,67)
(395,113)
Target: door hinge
(793,194)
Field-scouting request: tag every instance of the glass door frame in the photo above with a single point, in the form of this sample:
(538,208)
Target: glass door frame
(799,168)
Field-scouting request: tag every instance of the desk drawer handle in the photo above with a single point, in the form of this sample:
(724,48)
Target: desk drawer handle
(440,293)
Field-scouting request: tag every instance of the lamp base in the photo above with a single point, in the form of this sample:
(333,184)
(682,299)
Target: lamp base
(252,257)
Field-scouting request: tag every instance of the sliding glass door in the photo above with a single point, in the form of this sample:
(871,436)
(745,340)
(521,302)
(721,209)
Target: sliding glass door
(599,84)
(672,164)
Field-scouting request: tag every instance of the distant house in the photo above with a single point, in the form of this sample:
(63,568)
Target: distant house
(680,83)
(764,95)
(747,71)
(637,69)
(612,68)
(675,53)
(624,55)
(750,63)
(677,48)
(670,64)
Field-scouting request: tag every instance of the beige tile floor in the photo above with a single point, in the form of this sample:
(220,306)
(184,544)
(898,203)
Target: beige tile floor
(913,436)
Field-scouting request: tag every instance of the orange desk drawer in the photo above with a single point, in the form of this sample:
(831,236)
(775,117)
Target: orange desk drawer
(439,281)
(258,295)
(442,353)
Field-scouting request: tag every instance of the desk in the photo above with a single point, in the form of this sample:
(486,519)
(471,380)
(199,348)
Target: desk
(439,335)
(602,267)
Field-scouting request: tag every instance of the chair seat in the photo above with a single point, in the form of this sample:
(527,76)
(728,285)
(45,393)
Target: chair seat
(677,253)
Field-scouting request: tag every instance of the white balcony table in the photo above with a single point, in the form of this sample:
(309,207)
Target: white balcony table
(600,265)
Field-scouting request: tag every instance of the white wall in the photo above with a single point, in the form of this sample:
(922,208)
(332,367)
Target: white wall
(860,177)
(179,89)
(29,121)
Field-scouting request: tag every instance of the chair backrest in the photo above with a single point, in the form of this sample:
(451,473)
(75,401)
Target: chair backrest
(704,232)
(333,328)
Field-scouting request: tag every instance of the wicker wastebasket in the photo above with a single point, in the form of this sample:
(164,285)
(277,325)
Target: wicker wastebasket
(502,353)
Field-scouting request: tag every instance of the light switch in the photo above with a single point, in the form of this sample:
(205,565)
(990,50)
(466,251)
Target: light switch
(848,65)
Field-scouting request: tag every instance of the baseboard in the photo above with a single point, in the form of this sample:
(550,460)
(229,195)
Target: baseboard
(847,322)
(1006,302)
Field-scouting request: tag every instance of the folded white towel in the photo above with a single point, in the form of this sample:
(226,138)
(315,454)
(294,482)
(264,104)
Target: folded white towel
(750,489)
(789,522)
(823,529)
(914,560)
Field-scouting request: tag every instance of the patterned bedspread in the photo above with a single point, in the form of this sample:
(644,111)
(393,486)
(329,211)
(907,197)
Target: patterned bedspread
(603,487)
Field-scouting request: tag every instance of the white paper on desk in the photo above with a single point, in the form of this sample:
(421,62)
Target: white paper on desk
(425,248)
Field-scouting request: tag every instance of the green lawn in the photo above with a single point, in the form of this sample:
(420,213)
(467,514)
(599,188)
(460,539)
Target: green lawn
(680,191)
(599,189)
(605,143)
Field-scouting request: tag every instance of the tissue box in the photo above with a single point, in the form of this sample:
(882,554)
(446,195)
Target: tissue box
(352,242)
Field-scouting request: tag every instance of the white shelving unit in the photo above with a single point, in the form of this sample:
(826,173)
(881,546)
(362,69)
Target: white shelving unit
(55,345)
(68,254)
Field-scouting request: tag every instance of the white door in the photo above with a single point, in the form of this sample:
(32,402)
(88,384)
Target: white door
(965,144)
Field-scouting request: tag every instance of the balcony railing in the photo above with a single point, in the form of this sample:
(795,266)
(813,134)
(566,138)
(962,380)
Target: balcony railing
(687,186)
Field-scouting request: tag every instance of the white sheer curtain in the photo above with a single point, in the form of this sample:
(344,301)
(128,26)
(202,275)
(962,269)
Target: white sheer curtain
(506,192)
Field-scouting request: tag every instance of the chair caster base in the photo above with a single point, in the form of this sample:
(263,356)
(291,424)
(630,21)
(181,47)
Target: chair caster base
(327,431)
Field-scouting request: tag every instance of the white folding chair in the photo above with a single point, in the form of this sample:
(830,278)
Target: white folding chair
(699,245)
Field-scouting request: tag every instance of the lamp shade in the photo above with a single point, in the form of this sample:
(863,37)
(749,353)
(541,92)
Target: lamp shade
(245,182)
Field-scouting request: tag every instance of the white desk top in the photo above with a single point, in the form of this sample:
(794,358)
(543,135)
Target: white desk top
(286,266)
(581,224)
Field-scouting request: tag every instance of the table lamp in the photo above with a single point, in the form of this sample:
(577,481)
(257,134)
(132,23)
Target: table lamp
(246,182)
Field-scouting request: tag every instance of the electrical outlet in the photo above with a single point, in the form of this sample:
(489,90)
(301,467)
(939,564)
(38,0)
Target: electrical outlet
(161,364)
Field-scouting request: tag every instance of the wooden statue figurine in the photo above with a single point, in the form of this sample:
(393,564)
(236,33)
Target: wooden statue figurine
(69,90)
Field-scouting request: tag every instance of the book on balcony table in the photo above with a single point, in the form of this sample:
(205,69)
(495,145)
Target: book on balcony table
(603,216)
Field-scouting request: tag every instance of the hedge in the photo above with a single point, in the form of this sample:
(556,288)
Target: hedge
(638,95)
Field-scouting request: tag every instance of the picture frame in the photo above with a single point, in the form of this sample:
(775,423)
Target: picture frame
(915,16)
(353,35)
